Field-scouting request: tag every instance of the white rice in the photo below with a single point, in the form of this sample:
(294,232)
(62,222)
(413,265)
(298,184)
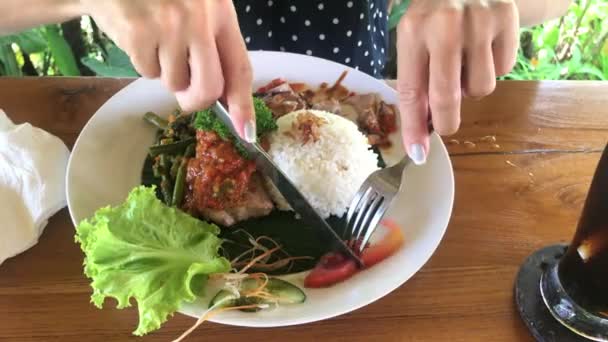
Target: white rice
(328,171)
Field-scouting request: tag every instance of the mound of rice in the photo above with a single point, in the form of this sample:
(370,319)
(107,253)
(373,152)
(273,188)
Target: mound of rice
(327,167)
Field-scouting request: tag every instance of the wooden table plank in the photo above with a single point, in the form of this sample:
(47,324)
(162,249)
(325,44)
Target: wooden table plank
(519,123)
(508,203)
(61,105)
(536,116)
(467,283)
(529,200)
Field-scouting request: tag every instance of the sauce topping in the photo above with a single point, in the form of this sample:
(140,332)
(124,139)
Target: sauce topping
(218,177)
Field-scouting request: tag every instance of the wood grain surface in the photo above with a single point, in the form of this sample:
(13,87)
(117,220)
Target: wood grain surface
(523,161)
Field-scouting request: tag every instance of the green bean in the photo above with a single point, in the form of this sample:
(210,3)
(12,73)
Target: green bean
(180,180)
(185,135)
(166,186)
(190,150)
(181,120)
(175,166)
(159,136)
(172,148)
(182,127)
(164,163)
(156,169)
(156,120)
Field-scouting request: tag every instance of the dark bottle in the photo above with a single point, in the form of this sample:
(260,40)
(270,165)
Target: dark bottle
(583,271)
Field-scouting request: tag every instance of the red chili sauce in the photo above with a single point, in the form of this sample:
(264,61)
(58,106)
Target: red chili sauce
(218,176)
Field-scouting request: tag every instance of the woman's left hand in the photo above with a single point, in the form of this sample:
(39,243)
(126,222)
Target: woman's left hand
(447,49)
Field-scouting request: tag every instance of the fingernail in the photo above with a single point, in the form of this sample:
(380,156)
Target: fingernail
(417,154)
(250,131)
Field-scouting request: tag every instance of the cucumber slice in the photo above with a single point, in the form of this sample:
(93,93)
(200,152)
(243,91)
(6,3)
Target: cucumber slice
(286,292)
(227,299)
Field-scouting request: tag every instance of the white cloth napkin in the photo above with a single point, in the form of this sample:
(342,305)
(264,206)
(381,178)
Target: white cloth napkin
(32,184)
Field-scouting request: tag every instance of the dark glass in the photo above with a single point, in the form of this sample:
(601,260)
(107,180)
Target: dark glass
(583,270)
(575,289)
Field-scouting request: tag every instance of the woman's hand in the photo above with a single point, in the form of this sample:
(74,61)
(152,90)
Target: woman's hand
(447,49)
(194,46)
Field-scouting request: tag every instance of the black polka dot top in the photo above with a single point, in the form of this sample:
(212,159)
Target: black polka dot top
(351,32)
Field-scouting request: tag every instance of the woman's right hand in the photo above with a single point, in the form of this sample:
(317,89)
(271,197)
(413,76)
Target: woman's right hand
(194,46)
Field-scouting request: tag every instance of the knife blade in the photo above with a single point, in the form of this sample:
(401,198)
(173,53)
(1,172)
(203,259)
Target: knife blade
(290,192)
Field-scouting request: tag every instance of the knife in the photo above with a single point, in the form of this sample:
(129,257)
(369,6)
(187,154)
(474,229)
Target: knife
(292,195)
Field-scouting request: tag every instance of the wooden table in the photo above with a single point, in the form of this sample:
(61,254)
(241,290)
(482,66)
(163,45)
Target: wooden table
(513,195)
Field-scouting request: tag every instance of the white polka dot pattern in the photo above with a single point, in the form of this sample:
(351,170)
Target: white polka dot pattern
(352,32)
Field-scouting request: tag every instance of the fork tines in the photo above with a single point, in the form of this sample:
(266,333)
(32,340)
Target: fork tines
(363,217)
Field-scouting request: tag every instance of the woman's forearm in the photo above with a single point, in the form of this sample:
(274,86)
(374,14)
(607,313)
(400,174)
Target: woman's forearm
(534,12)
(16,15)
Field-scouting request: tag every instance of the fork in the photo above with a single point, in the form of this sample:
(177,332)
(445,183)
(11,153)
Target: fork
(371,202)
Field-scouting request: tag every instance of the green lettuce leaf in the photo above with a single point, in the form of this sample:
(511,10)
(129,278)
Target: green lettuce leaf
(148,251)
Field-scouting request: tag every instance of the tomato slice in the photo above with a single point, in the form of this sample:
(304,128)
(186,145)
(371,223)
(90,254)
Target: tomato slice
(334,267)
(391,242)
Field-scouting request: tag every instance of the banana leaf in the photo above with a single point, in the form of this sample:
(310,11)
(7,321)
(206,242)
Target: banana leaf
(30,41)
(61,51)
(8,61)
(117,64)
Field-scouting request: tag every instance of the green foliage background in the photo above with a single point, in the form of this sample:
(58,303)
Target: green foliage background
(574,47)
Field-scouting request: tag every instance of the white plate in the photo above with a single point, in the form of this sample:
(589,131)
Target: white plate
(107,159)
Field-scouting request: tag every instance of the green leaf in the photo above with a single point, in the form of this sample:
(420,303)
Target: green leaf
(397,12)
(591,70)
(553,73)
(550,37)
(10,67)
(147,251)
(546,55)
(118,58)
(118,64)
(31,41)
(604,65)
(105,70)
(61,51)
